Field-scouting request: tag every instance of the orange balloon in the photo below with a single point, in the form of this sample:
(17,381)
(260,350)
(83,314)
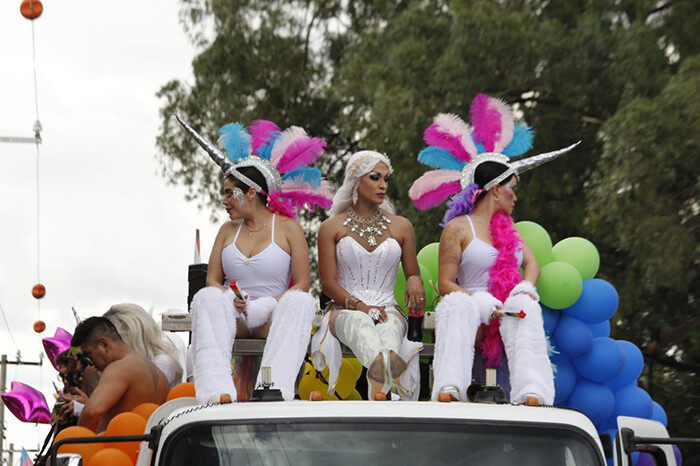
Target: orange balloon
(182,390)
(110,457)
(145,410)
(39,326)
(85,450)
(126,424)
(38,291)
(31,9)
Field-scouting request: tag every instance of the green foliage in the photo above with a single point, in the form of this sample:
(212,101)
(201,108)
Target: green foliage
(622,76)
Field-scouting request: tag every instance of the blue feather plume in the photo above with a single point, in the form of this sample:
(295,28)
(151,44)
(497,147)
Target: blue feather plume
(265,151)
(235,139)
(521,142)
(440,158)
(311,175)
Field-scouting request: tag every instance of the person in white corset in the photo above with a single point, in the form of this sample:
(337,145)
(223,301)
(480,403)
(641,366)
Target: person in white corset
(359,248)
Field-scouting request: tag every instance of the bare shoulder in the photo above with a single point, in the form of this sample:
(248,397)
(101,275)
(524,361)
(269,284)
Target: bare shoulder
(457,226)
(288,224)
(398,222)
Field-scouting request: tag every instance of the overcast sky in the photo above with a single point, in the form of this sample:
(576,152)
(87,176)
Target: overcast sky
(111,230)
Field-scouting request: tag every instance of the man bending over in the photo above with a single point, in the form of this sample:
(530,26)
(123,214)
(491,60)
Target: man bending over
(127,379)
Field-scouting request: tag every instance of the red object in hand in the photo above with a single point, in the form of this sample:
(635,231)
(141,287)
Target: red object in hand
(236,291)
(413,313)
(521,314)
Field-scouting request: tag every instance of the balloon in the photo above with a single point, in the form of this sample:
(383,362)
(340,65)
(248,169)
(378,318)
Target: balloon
(580,253)
(559,285)
(603,362)
(564,379)
(346,380)
(538,239)
(182,390)
(658,414)
(551,318)
(354,395)
(601,329)
(677,454)
(572,337)
(593,399)
(430,296)
(400,288)
(126,424)
(27,403)
(57,344)
(145,410)
(311,382)
(634,363)
(38,291)
(356,366)
(428,256)
(39,326)
(633,401)
(110,457)
(644,459)
(598,302)
(31,9)
(85,450)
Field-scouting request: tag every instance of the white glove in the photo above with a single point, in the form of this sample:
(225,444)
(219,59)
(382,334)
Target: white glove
(487,304)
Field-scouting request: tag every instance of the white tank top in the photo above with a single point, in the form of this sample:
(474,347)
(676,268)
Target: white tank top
(476,262)
(267,273)
(369,276)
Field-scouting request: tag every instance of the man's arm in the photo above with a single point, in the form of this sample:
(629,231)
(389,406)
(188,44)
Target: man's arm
(109,391)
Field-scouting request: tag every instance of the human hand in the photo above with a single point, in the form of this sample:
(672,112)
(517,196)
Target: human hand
(66,410)
(414,297)
(76,394)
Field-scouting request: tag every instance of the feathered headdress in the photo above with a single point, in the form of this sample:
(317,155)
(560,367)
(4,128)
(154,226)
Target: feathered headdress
(280,156)
(456,150)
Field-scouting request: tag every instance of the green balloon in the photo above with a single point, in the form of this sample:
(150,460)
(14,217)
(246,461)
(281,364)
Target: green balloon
(560,285)
(429,257)
(580,253)
(538,239)
(400,288)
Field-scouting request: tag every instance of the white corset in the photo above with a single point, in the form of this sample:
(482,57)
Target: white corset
(369,276)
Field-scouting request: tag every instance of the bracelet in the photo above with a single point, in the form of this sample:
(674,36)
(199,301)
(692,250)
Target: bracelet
(351,302)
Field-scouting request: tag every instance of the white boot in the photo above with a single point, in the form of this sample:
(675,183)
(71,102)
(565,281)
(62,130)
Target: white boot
(213,334)
(458,319)
(288,340)
(526,348)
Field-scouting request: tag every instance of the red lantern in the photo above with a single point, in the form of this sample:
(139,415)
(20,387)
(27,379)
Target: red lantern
(39,326)
(38,291)
(31,9)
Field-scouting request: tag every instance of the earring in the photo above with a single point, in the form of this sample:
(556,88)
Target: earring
(497,198)
(354,196)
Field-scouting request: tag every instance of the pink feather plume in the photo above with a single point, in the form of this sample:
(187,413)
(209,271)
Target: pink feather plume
(450,132)
(492,120)
(288,137)
(300,153)
(261,131)
(278,205)
(431,189)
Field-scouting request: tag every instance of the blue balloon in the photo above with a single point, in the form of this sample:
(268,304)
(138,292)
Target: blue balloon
(603,362)
(572,337)
(550,317)
(598,302)
(595,400)
(677,454)
(564,379)
(634,363)
(633,401)
(658,414)
(600,330)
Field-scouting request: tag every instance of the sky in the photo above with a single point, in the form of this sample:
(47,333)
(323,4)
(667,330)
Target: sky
(110,229)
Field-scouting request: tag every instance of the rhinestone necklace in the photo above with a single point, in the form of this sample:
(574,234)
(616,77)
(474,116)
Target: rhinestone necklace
(367,228)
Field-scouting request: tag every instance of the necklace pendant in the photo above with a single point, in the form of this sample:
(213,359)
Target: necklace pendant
(372,241)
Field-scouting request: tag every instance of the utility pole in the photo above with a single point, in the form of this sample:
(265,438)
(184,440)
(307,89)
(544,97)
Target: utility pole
(3,388)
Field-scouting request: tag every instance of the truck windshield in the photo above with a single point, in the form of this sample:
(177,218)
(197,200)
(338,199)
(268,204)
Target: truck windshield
(357,442)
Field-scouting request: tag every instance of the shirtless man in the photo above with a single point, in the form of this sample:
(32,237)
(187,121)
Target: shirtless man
(127,379)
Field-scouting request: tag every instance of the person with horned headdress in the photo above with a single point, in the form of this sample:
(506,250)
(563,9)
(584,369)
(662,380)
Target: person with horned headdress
(258,275)
(359,248)
(481,253)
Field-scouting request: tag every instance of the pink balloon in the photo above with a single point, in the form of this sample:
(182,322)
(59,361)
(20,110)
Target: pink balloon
(27,403)
(56,344)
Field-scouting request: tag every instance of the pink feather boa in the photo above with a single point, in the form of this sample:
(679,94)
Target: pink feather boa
(503,276)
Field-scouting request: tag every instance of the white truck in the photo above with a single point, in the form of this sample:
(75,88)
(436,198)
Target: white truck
(181,432)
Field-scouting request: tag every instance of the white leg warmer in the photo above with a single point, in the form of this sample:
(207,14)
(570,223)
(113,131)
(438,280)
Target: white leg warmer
(357,330)
(213,333)
(526,348)
(288,339)
(259,311)
(455,331)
